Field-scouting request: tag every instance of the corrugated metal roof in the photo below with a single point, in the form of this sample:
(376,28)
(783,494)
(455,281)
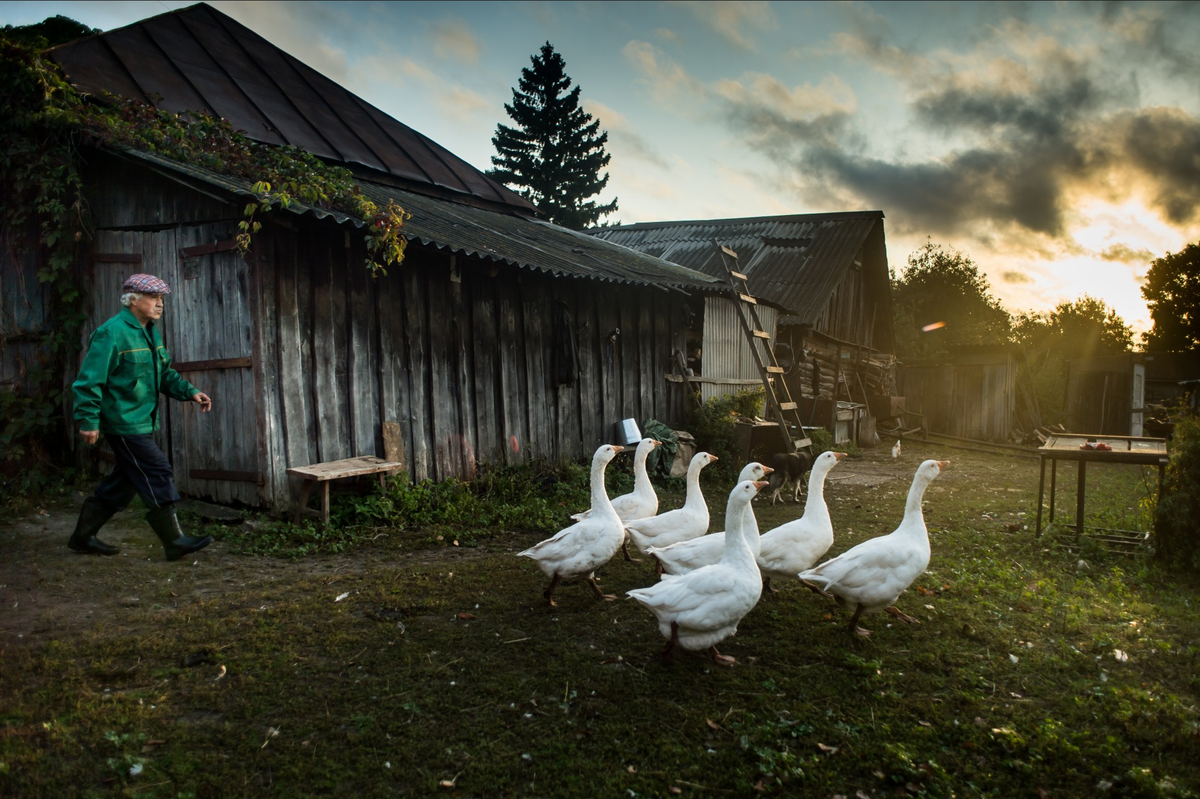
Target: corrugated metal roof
(516,240)
(198,59)
(794,261)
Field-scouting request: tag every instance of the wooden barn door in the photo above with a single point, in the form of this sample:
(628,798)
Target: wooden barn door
(210,319)
(969,389)
(115,256)
(208,329)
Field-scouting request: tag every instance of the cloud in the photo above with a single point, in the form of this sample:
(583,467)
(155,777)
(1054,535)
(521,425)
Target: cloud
(666,34)
(291,26)
(451,99)
(453,41)
(666,80)
(1033,125)
(623,137)
(727,18)
(1015,278)
(1123,253)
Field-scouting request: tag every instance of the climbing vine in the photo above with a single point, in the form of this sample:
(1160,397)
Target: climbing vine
(46,122)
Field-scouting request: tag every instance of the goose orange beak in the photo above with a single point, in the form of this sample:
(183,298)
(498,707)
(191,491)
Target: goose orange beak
(840,455)
(617,449)
(767,470)
(759,484)
(943,464)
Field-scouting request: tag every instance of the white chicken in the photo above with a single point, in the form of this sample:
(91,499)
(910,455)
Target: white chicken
(587,545)
(700,609)
(871,576)
(896,450)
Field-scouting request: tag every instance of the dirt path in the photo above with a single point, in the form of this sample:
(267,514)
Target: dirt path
(49,593)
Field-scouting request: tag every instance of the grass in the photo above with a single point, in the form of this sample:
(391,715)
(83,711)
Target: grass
(1036,671)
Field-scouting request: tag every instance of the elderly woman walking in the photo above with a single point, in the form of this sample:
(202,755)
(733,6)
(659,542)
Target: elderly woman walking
(116,393)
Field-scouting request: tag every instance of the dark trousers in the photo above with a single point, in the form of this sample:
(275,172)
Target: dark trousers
(141,469)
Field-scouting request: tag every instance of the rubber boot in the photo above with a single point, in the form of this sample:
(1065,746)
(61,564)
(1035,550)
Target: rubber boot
(92,517)
(174,542)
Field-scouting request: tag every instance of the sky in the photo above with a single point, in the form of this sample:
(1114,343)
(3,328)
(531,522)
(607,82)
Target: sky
(1056,144)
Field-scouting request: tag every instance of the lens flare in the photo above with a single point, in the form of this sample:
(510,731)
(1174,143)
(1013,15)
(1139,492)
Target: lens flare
(933,326)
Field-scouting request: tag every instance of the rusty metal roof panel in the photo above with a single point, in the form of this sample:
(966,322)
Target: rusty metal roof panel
(794,261)
(198,59)
(505,238)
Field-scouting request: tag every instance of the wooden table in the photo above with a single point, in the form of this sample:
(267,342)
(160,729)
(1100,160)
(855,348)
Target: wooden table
(1066,447)
(325,473)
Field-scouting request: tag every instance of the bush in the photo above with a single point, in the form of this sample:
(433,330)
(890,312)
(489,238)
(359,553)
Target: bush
(1175,530)
(713,425)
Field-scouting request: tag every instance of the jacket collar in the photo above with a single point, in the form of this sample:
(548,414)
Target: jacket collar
(131,320)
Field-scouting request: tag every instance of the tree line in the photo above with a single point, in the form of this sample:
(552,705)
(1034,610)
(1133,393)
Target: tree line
(942,300)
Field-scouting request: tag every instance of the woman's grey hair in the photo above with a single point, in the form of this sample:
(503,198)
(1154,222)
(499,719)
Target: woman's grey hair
(130,297)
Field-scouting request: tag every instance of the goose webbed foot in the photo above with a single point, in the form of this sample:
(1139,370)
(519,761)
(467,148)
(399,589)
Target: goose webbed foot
(719,659)
(600,594)
(549,592)
(901,615)
(862,632)
(628,557)
(816,589)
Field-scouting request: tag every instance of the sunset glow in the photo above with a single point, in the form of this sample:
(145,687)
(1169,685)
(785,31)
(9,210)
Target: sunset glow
(1053,143)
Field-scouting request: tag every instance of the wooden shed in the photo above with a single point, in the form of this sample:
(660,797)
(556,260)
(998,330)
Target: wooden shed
(499,339)
(1106,394)
(982,393)
(824,289)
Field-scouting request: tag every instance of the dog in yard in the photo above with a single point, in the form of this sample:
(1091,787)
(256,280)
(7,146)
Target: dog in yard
(790,467)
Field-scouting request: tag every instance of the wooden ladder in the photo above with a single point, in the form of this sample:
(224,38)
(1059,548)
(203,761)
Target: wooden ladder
(780,404)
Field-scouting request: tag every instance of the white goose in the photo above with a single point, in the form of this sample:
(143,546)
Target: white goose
(795,546)
(690,521)
(586,545)
(685,556)
(700,609)
(642,502)
(872,575)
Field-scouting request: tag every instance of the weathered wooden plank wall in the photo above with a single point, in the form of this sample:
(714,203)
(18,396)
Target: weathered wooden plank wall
(972,400)
(467,368)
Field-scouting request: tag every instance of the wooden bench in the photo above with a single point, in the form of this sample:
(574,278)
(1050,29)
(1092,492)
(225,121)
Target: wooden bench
(325,473)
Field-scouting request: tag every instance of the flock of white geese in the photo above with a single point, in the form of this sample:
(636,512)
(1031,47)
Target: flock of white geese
(710,582)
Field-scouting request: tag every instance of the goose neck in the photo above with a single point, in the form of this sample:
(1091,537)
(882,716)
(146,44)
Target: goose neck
(815,502)
(599,491)
(916,492)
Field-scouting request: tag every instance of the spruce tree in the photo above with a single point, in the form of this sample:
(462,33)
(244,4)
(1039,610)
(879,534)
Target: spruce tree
(555,154)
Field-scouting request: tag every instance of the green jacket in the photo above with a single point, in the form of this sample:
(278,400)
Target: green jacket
(125,369)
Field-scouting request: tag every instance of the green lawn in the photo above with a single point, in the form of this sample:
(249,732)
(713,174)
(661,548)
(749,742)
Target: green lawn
(1036,671)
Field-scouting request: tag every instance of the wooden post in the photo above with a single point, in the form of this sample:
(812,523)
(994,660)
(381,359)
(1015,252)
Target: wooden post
(1041,489)
(1080,490)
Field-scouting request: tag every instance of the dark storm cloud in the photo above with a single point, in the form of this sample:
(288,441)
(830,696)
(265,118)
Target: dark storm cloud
(1030,137)
(1163,144)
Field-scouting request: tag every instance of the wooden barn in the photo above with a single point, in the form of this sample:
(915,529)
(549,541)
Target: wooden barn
(983,393)
(824,290)
(499,339)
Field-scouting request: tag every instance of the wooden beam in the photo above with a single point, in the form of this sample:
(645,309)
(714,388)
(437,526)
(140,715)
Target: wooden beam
(117,258)
(206,249)
(216,363)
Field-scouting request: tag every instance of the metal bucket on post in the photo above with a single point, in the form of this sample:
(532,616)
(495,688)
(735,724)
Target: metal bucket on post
(627,432)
